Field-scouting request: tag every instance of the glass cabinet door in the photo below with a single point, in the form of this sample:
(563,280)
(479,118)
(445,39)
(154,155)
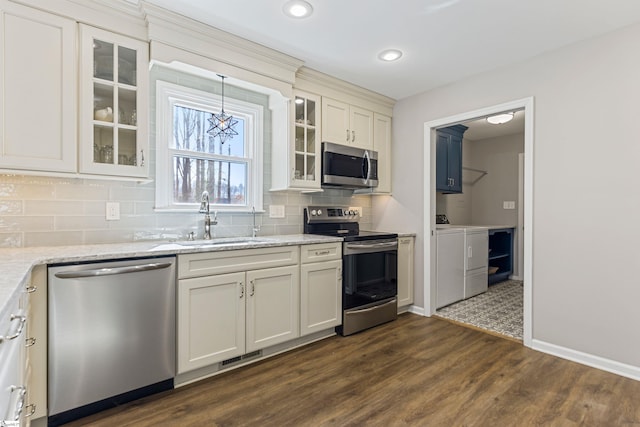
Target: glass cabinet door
(114,140)
(306,147)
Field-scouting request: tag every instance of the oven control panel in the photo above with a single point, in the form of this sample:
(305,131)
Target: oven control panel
(331,214)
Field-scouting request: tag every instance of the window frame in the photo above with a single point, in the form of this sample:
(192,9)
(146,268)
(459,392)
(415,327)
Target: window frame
(167,96)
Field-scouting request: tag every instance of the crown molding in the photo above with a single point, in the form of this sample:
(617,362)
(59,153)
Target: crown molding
(119,16)
(314,81)
(184,33)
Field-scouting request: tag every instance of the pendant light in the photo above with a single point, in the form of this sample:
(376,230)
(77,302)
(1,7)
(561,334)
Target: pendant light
(222,125)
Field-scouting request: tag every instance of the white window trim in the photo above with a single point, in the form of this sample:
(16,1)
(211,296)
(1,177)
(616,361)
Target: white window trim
(169,94)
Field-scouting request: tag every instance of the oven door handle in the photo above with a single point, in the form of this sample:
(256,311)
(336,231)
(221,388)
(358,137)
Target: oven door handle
(383,245)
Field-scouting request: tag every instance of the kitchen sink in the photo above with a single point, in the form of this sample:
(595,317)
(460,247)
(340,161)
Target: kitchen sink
(224,241)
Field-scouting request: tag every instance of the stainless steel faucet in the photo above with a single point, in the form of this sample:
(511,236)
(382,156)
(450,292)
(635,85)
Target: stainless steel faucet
(204,208)
(255,228)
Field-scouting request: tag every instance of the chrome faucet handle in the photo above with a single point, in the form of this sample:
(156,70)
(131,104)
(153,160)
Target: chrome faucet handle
(214,221)
(191,236)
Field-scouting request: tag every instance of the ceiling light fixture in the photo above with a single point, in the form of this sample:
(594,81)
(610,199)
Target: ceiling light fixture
(499,119)
(390,55)
(297,9)
(222,124)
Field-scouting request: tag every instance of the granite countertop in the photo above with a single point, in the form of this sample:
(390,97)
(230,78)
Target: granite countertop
(18,262)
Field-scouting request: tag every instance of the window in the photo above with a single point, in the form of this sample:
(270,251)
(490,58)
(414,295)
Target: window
(190,161)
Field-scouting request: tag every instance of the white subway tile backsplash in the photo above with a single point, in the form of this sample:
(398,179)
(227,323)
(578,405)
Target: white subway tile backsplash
(11,207)
(51,211)
(53,238)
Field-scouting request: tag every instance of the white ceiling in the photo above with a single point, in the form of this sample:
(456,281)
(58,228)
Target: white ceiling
(443,40)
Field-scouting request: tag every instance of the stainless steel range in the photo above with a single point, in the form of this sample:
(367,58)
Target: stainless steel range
(369,267)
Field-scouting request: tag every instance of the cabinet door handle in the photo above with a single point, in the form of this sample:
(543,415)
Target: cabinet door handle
(31,289)
(325,252)
(347,135)
(253,288)
(30,342)
(353,136)
(141,158)
(21,322)
(241,290)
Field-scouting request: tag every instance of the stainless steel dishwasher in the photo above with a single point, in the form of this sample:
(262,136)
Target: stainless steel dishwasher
(111,334)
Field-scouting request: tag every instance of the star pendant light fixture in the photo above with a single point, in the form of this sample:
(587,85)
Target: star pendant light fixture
(222,125)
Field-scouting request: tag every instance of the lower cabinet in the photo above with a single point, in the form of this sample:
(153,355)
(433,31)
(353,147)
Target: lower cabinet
(222,316)
(320,287)
(211,320)
(231,303)
(405,271)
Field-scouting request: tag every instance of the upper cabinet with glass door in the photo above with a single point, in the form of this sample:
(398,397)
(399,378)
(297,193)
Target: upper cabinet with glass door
(113,108)
(306,147)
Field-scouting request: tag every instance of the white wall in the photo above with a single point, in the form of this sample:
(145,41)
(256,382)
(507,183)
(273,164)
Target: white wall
(585,279)
(499,157)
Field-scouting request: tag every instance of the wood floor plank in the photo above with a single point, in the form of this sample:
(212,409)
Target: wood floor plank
(416,371)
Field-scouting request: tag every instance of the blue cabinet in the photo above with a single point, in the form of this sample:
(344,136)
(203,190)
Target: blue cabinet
(500,254)
(449,159)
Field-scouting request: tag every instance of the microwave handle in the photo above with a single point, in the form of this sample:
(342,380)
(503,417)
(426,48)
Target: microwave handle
(366,166)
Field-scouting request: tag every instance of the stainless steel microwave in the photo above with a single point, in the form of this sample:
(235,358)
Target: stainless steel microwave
(348,167)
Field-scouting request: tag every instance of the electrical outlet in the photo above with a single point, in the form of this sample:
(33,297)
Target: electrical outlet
(113,211)
(276,211)
(508,205)
(357,209)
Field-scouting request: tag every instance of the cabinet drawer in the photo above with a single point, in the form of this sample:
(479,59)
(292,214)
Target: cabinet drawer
(320,252)
(208,263)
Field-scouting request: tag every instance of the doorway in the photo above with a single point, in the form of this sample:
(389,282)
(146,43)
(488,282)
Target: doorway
(527,203)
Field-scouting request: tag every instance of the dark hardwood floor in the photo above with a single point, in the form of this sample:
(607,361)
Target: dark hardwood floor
(416,371)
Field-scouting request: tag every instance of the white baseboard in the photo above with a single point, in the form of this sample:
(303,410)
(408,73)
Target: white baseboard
(416,310)
(597,362)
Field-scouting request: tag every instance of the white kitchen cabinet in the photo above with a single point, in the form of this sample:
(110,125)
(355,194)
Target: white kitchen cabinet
(296,160)
(211,320)
(38,94)
(382,144)
(113,109)
(273,306)
(405,271)
(14,366)
(234,302)
(320,287)
(346,124)
(36,343)
(450,262)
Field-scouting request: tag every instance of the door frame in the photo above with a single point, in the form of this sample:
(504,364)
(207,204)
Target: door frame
(430,203)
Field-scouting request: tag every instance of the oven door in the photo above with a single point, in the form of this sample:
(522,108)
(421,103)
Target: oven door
(369,272)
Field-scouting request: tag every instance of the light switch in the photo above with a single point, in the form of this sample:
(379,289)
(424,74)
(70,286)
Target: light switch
(113,211)
(276,211)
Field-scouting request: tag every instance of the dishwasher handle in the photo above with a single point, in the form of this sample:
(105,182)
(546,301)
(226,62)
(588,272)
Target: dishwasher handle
(110,271)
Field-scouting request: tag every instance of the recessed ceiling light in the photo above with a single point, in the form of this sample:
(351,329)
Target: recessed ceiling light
(390,55)
(499,119)
(297,9)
